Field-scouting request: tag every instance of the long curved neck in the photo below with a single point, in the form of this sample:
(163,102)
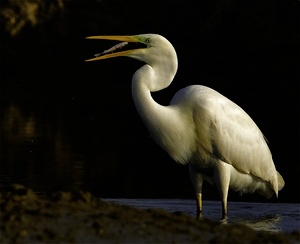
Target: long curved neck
(145,80)
(163,122)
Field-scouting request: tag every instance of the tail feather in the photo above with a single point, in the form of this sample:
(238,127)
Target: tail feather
(280,181)
(276,183)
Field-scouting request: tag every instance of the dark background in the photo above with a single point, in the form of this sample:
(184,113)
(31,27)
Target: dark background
(71,125)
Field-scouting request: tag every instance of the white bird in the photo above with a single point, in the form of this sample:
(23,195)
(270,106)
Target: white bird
(200,127)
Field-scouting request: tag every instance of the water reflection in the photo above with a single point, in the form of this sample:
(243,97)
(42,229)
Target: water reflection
(259,216)
(266,223)
(33,152)
(59,148)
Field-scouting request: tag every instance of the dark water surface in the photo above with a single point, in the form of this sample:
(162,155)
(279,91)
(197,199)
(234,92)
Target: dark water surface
(275,217)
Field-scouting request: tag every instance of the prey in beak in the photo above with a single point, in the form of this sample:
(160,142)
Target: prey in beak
(115,51)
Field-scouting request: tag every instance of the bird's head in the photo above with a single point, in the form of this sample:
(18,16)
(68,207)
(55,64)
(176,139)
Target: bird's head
(154,49)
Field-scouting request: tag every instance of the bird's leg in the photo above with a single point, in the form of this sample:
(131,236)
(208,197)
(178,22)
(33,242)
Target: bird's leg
(199,205)
(197,180)
(224,209)
(222,178)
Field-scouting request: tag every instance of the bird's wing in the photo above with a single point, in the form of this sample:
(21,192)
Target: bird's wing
(235,138)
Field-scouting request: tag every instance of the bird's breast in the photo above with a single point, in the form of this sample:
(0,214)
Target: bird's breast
(175,135)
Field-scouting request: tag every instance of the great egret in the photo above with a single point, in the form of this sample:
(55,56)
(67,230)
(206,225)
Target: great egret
(218,139)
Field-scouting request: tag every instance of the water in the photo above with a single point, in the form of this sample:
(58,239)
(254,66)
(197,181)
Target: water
(275,217)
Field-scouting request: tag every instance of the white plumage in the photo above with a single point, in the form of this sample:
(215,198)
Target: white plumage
(201,127)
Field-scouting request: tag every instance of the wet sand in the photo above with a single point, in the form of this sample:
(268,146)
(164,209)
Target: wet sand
(78,217)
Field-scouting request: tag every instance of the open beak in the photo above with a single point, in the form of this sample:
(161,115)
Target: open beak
(110,53)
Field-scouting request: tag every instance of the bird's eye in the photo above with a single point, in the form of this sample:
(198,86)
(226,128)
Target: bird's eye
(148,40)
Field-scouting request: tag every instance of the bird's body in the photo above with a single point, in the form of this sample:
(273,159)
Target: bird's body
(200,127)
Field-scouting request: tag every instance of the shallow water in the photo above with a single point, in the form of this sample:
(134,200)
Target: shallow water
(275,217)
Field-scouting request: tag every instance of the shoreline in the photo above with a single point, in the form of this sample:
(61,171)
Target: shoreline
(79,217)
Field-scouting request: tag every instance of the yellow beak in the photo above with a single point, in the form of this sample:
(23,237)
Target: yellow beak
(115,38)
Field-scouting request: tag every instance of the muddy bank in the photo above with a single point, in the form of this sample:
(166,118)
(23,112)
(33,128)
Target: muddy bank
(78,217)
